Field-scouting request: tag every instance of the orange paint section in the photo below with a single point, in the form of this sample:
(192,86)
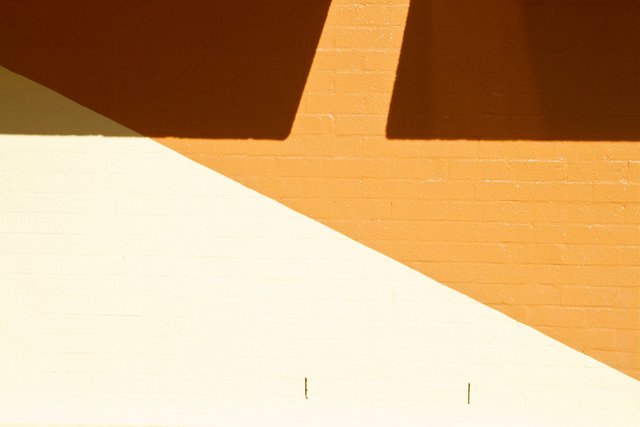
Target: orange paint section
(547,231)
(544,231)
(561,255)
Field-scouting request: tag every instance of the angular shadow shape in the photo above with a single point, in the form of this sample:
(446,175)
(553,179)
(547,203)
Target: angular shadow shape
(523,69)
(195,68)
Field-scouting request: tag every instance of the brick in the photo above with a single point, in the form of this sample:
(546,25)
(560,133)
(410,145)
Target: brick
(445,190)
(625,340)
(480,169)
(368,209)
(380,148)
(337,60)
(314,124)
(563,192)
(587,276)
(602,213)
(381,60)
(620,318)
(517,150)
(533,294)
(600,296)
(502,273)
(369,82)
(333,104)
(497,232)
(381,37)
(419,210)
(553,171)
(389,230)
(360,125)
(550,315)
(617,192)
(602,151)
(396,189)
(594,170)
(601,255)
(322,82)
(448,149)
(444,231)
(510,191)
(375,104)
(317,187)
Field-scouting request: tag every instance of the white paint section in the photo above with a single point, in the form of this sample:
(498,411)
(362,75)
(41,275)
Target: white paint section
(138,287)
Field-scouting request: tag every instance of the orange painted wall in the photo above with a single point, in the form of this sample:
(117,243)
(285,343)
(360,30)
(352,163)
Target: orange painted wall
(545,231)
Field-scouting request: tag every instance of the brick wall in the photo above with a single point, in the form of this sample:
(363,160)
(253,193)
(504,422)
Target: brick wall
(545,231)
(140,288)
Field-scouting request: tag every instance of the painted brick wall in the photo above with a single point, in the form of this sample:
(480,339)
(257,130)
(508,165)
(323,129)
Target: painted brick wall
(545,231)
(138,287)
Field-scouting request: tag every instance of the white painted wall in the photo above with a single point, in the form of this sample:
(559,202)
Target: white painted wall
(138,287)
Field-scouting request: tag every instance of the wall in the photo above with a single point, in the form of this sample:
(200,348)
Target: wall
(545,231)
(134,279)
(140,288)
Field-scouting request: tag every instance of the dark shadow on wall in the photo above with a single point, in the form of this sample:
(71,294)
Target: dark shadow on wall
(193,68)
(521,69)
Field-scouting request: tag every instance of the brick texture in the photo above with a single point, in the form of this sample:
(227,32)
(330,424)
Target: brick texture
(141,288)
(545,231)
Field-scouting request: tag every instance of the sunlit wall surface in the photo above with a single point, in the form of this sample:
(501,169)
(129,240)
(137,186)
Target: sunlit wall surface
(428,210)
